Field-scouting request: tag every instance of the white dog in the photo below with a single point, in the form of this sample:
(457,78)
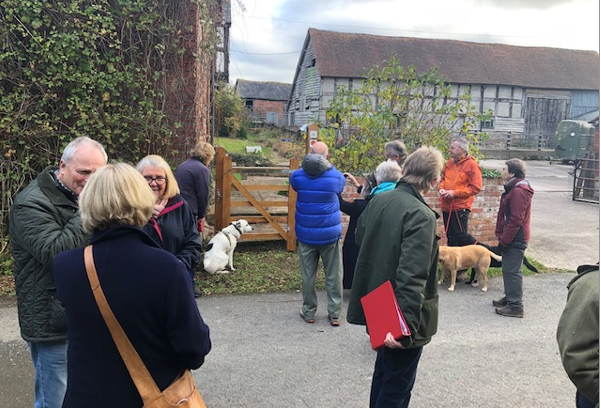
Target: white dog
(220,250)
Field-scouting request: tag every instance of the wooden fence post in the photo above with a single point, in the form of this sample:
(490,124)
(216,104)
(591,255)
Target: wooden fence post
(291,240)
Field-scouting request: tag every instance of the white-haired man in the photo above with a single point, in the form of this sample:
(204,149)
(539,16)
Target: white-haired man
(44,220)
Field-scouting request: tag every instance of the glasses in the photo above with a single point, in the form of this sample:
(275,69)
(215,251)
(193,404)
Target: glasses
(160,180)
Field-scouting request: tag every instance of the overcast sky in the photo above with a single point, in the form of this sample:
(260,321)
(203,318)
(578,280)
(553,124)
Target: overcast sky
(268,35)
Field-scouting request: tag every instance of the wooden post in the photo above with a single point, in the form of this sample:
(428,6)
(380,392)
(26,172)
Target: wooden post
(219,157)
(227,192)
(312,136)
(291,240)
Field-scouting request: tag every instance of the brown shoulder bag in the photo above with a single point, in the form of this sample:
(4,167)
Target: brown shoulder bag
(182,392)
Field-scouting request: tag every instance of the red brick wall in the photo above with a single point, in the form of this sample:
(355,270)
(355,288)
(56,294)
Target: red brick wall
(261,107)
(187,100)
(482,219)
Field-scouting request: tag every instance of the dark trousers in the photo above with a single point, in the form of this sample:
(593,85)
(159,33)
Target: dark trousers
(394,376)
(582,401)
(454,223)
(512,276)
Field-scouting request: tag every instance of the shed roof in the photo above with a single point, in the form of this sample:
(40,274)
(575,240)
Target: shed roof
(348,55)
(267,91)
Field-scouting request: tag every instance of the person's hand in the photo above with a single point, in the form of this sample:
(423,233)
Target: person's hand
(352,179)
(446,193)
(158,207)
(390,342)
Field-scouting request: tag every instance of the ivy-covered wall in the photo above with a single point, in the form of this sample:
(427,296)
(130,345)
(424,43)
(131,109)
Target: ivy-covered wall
(132,74)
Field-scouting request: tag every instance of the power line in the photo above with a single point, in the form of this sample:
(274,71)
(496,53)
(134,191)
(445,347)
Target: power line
(258,53)
(395,29)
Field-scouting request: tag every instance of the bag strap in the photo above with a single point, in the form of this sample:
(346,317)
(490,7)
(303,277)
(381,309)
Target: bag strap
(140,375)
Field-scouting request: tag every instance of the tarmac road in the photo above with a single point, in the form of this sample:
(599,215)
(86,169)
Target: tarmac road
(265,355)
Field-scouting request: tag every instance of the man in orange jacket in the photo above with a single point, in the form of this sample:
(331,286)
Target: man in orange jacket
(461,181)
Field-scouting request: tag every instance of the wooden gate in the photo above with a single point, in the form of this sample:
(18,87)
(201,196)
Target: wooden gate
(260,195)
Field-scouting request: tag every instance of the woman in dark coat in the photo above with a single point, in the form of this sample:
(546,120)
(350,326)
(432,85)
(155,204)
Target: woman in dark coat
(383,179)
(350,248)
(172,224)
(147,288)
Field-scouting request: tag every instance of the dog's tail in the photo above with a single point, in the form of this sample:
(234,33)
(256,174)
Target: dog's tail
(495,256)
(528,265)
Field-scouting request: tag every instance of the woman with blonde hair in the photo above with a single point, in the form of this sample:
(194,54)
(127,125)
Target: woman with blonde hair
(172,224)
(162,321)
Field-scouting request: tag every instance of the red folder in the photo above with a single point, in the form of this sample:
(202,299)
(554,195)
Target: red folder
(383,315)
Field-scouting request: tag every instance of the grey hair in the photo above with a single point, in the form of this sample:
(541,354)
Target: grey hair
(388,171)
(157,161)
(72,147)
(397,147)
(463,144)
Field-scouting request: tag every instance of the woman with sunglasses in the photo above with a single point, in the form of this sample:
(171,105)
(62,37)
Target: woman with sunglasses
(172,225)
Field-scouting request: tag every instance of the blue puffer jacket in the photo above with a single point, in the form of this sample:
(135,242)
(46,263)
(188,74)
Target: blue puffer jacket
(318,183)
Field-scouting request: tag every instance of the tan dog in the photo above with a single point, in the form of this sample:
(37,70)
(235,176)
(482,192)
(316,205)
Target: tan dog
(464,257)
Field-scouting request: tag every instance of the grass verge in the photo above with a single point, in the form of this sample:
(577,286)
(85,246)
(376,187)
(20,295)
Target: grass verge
(261,267)
(264,267)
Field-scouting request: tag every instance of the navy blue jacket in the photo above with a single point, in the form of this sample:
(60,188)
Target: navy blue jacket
(175,230)
(150,293)
(194,180)
(318,219)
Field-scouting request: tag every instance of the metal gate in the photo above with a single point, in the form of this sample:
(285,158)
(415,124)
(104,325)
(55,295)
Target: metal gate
(586,179)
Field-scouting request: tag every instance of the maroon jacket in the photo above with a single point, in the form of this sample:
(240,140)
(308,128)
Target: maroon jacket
(513,220)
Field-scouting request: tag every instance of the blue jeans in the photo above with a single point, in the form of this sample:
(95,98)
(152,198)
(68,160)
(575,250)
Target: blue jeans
(50,363)
(394,377)
(583,402)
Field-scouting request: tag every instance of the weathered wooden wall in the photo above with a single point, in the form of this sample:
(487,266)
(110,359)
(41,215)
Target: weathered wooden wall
(305,99)
(523,118)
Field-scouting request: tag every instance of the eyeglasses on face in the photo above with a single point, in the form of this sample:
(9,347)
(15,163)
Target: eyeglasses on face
(160,180)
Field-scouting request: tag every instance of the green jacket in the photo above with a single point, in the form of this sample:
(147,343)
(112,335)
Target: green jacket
(398,242)
(42,223)
(578,332)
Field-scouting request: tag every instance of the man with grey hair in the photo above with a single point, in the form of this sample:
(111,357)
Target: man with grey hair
(461,182)
(318,226)
(44,220)
(396,150)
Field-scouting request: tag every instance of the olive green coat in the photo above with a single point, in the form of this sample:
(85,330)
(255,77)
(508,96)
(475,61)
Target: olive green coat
(398,242)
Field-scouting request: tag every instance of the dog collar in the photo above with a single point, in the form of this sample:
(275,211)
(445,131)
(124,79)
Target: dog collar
(235,226)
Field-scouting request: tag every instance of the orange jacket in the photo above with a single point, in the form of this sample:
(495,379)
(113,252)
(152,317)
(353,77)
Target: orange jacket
(465,178)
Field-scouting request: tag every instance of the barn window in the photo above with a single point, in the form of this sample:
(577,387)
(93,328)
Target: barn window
(487,124)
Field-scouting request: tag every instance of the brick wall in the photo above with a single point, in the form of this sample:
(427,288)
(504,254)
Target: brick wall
(260,106)
(188,94)
(482,219)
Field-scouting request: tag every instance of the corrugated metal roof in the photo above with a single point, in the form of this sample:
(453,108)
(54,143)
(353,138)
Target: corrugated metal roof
(267,91)
(348,55)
